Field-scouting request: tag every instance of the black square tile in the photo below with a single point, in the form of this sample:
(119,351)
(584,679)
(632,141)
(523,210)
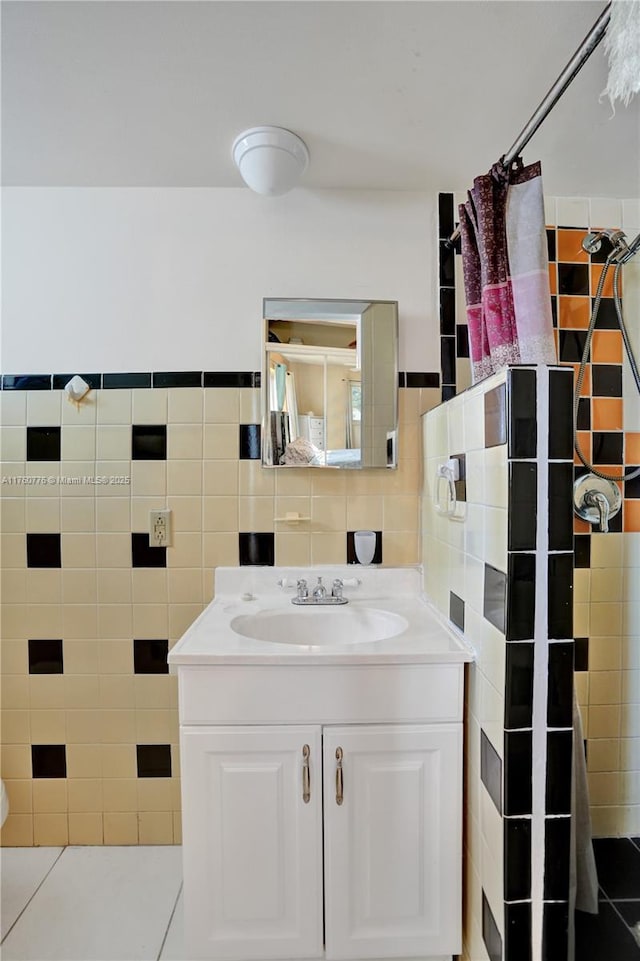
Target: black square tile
(554,311)
(445,216)
(351,548)
(490,932)
(256,549)
(556,858)
(555,931)
(456,610)
(422,378)
(582,551)
(571,346)
(604,937)
(583,421)
(607,316)
(402,378)
(43,550)
(116,381)
(559,760)
(551,243)
(48,760)
(249,442)
(573,279)
(521,597)
(522,413)
(447,265)
(448,359)
(517,932)
(632,487)
(518,696)
(448,392)
(523,505)
(495,596)
(150,656)
(561,414)
(560,685)
(581,654)
(447,311)
(183,378)
(43,443)
(45,656)
(491,770)
(607,447)
(149,442)
(517,773)
(26,381)
(143,555)
(560,596)
(561,506)
(154,760)
(606,380)
(229,378)
(495,416)
(462,340)
(618,863)
(517,859)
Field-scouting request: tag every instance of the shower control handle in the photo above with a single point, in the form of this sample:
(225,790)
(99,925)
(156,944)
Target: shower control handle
(598,500)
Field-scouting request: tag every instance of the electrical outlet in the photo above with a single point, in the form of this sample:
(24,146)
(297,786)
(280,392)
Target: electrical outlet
(160,528)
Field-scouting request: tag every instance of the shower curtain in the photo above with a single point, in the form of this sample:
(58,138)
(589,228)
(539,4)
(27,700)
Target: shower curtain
(506,270)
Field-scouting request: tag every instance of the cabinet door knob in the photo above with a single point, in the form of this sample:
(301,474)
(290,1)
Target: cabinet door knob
(339,782)
(306,774)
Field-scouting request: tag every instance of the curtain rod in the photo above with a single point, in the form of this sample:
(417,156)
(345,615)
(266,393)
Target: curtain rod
(547,104)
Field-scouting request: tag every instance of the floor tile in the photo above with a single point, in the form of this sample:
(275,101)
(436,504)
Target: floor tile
(23,869)
(618,863)
(100,904)
(173,947)
(604,937)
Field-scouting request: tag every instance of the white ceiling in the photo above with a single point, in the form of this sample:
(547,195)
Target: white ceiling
(386,93)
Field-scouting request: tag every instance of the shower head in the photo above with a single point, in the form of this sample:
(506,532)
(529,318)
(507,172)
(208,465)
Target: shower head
(593,241)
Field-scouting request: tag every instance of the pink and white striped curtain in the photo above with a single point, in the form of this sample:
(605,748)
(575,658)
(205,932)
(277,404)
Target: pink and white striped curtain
(506,270)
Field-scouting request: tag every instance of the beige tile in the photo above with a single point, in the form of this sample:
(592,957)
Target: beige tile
(603,754)
(604,720)
(81,657)
(605,619)
(221,441)
(606,550)
(149,585)
(294,482)
(77,480)
(77,515)
(50,830)
(604,787)
(80,414)
(177,828)
(14,657)
(630,693)
(118,726)
(220,549)
(153,691)
(328,548)
(409,446)
(154,794)
(13,619)
(186,550)
(184,477)
(149,406)
(250,412)
(43,408)
(113,550)
(48,479)
(400,548)
(43,620)
(83,727)
(113,442)
(80,691)
(113,514)
(255,480)
(186,513)
(630,753)
(113,478)
(79,586)
(17,831)
(15,760)
(220,513)
(140,508)
(78,550)
(149,479)
(256,514)
(13,408)
(121,828)
(44,587)
(185,585)
(117,692)
(114,586)
(85,794)
(46,691)
(84,761)
(430,397)
(222,405)
(13,515)
(115,620)
(295,505)
(408,405)
(86,828)
(20,794)
(80,620)
(155,827)
(120,794)
(328,514)
(365,513)
(155,726)
(48,726)
(605,653)
(118,760)
(182,616)
(184,441)
(13,587)
(220,477)
(325,483)
(606,585)
(15,691)
(49,795)
(150,620)
(185,405)
(13,444)
(113,406)
(115,656)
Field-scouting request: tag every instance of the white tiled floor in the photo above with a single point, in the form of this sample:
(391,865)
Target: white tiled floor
(92,904)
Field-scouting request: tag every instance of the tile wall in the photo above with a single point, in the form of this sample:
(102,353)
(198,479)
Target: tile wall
(607,576)
(89,610)
(500,567)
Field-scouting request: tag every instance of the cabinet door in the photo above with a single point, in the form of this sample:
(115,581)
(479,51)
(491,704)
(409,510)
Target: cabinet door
(393,847)
(252,844)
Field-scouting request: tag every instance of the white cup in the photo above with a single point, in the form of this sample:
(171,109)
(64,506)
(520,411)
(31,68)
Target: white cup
(364,543)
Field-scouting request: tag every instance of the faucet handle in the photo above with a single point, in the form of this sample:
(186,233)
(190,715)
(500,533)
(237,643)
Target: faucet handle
(336,590)
(302,589)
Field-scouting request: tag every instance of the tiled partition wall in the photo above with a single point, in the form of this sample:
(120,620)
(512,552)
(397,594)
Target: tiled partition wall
(501,569)
(89,610)
(607,576)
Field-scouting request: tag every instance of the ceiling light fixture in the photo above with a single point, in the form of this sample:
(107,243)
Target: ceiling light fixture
(271,160)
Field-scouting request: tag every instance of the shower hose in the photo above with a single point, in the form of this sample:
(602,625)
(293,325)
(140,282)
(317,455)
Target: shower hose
(585,359)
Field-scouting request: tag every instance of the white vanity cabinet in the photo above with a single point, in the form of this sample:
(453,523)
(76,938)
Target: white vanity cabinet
(322,840)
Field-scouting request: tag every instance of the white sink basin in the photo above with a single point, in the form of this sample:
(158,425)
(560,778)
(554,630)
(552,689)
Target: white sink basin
(320,626)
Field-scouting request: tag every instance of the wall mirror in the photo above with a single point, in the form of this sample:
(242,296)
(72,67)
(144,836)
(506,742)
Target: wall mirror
(330,383)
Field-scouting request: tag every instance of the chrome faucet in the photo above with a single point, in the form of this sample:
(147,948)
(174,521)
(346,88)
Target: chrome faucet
(319,591)
(319,595)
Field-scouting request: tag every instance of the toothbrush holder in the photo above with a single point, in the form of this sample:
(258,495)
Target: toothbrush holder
(364,543)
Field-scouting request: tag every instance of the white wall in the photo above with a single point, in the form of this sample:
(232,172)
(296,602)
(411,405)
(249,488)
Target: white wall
(117,279)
